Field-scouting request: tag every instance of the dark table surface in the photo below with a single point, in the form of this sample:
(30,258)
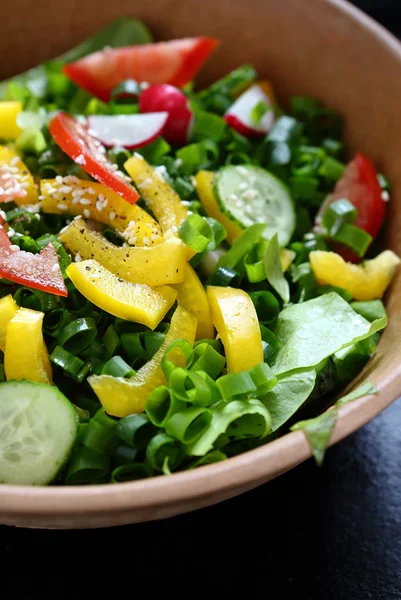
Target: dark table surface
(316,534)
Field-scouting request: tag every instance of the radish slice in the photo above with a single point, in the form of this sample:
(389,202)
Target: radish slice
(168,98)
(129,131)
(239,115)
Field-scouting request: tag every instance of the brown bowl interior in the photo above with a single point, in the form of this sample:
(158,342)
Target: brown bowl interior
(323,48)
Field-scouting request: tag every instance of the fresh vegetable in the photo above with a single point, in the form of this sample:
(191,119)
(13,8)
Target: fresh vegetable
(360,186)
(93,200)
(121,397)
(25,354)
(249,194)
(16,182)
(75,140)
(191,295)
(160,265)
(38,271)
(364,282)
(8,308)
(204,185)
(130,301)
(191,316)
(165,97)
(252,113)
(175,62)
(129,131)
(235,318)
(9,112)
(39,429)
(162,200)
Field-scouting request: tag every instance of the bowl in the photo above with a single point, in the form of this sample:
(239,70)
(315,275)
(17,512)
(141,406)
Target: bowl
(323,48)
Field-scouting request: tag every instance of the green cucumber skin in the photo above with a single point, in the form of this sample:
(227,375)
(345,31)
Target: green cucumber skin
(284,235)
(49,401)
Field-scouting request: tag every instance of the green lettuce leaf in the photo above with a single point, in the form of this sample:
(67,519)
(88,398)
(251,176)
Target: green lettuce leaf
(319,429)
(288,395)
(237,419)
(273,270)
(122,32)
(316,329)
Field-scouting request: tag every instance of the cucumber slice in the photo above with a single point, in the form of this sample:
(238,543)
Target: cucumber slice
(38,427)
(249,194)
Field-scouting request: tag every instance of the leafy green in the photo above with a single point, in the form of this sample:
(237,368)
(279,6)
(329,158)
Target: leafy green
(274,271)
(122,32)
(236,418)
(288,395)
(316,329)
(318,430)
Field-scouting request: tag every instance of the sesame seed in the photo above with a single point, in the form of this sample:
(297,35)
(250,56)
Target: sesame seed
(146,240)
(62,206)
(25,184)
(10,232)
(132,240)
(80,160)
(59,179)
(131,224)
(41,197)
(86,213)
(85,201)
(78,258)
(64,229)
(250,195)
(14,161)
(112,215)
(75,200)
(77,217)
(174,228)
(65,189)
(13,169)
(14,248)
(55,267)
(243,171)
(6,176)
(243,185)
(99,205)
(2,214)
(154,237)
(137,155)
(385,196)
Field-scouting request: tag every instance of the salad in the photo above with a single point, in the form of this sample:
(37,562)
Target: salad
(186,273)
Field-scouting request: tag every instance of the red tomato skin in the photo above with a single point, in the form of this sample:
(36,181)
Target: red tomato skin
(175,62)
(164,97)
(33,270)
(359,184)
(74,139)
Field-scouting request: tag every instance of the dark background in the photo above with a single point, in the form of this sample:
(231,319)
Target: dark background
(318,534)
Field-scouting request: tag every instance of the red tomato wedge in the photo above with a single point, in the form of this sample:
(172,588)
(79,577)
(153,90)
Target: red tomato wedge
(39,271)
(175,62)
(75,140)
(360,186)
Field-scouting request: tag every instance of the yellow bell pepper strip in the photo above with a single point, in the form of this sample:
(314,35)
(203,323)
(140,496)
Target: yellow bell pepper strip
(25,355)
(9,111)
(163,264)
(236,321)
(121,397)
(73,196)
(16,182)
(129,301)
(366,281)
(286,258)
(204,185)
(8,308)
(163,201)
(191,295)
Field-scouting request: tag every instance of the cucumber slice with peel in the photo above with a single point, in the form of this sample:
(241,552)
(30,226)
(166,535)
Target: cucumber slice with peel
(38,428)
(250,194)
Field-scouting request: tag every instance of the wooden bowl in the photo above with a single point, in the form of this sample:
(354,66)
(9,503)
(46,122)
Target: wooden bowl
(324,48)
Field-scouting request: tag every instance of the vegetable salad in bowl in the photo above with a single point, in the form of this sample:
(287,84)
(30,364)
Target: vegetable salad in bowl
(185,273)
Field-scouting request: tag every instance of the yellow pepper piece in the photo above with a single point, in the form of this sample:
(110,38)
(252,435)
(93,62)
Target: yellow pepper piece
(366,281)
(191,295)
(25,355)
(121,397)
(163,201)
(286,258)
(22,187)
(160,265)
(130,301)
(96,201)
(8,308)
(204,185)
(9,111)
(236,321)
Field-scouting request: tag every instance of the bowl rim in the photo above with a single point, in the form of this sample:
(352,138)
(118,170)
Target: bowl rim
(249,468)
